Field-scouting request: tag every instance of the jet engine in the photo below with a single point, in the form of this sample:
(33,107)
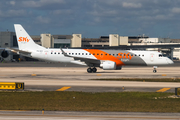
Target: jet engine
(4,54)
(109,65)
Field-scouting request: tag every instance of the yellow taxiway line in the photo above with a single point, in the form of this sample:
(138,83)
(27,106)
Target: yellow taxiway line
(163,90)
(63,88)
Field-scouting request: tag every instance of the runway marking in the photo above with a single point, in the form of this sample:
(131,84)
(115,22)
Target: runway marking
(98,75)
(63,88)
(163,90)
(33,75)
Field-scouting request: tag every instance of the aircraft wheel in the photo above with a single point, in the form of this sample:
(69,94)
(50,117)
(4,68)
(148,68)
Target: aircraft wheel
(89,70)
(154,71)
(94,70)
(155,67)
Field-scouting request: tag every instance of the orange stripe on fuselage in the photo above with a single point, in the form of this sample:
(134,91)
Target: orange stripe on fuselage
(101,55)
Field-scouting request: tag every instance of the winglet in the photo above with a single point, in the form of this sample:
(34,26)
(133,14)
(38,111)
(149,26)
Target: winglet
(64,53)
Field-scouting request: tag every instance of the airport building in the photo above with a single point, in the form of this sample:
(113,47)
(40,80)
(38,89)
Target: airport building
(8,39)
(76,41)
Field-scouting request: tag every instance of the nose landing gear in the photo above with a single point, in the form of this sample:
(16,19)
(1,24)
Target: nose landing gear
(90,70)
(155,67)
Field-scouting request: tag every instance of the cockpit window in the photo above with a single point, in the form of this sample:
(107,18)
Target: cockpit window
(160,55)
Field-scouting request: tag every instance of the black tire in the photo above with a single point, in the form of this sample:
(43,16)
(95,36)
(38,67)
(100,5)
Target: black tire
(89,70)
(94,70)
(154,71)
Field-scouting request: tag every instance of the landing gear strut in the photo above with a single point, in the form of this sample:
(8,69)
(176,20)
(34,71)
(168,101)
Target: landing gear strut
(90,70)
(155,67)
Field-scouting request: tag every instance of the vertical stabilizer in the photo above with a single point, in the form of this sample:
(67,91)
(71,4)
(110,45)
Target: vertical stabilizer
(25,42)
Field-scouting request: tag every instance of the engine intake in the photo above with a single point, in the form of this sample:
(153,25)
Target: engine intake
(4,54)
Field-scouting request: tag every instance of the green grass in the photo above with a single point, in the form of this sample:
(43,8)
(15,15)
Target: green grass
(80,101)
(141,79)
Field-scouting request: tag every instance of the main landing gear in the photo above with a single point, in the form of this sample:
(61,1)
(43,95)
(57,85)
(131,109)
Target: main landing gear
(155,67)
(90,70)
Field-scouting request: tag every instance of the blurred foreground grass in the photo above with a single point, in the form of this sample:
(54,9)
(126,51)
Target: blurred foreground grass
(81,101)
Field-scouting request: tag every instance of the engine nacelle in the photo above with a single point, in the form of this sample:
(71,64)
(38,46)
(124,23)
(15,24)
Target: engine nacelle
(108,65)
(4,54)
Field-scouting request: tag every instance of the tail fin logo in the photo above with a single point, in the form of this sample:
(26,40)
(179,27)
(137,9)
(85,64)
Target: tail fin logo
(23,39)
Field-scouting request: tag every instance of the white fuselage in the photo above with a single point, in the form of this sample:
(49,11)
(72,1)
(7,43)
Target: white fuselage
(56,55)
(105,59)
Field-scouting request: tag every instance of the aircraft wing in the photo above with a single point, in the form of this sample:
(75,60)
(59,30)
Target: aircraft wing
(87,61)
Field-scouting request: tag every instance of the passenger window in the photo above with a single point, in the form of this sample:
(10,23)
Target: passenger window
(113,54)
(135,55)
(143,55)
(93,53)
(86,54)
(79,54)
(58,53)
(76,53)
(106,54)
(72,53)
(139,55)
(89,53)
(54,52)
(101,54)
(109,54)
(82,53)
(51,53)
(97,53)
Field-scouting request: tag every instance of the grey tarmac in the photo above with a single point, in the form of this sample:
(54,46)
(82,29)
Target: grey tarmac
(94,89)
(62,115)
(43,76)
(53,76)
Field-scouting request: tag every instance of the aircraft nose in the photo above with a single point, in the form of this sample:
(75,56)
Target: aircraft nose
(169,61)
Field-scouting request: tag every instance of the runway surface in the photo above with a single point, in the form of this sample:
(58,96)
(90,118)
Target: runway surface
(95,89)
(61,115)
(41,76)
(51,77)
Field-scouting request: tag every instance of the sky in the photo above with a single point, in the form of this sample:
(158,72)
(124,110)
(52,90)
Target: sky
(93,18)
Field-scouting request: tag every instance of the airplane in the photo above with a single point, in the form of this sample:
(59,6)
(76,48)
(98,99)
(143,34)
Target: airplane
(105,59)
